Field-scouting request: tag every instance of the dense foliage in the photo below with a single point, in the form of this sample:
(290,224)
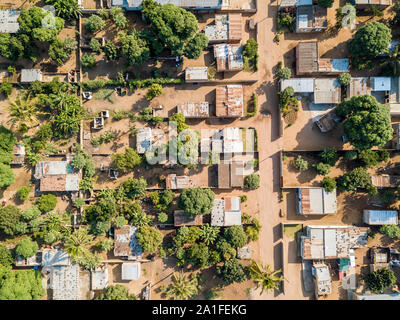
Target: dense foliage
(196,201)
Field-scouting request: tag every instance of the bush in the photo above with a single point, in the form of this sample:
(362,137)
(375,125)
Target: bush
(351,155)
(369,158)
(79,202)
(329,156)
(94,23)
(31,213)
(23,193)
(379,280)
(196,201)
(162,217)
(26,248)
(47,202)
(250,54)
(6,258)
(7,175)
(322,168)
(284,73)
(392,231)
(95,45)
(149,238)
(344,78)
(387,196)
(329,184)
(6,88)
(252,181)
(235,236)
(232,271)
(88,60)
(301,164)
(243,198)
(111,51)
(9,217)
(154,91)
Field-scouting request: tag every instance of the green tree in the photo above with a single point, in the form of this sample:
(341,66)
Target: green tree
(209,234)
(95,45)
(344,78)
(128,161)
(322,168)
(88,60)
(266,278)
(196,201)
(155,90)
(66,9)
(134,49)
(135,188)
(23,193)
(369,158)
(94,23)
(162,217)
(111,51)
(350,181)
(47,202)
(367,122)
(392,231)
(225,249)
(325,3)
(181,288)
(149,238)
(116,292)
(329,184)
(252,181)
(232,271)
(60,51)
(236,236)
(284,73)
(391,63)
(162,200)
(329,156)
(301,164)
(31,213)
(379,280)
(7,175)
(120,21)
(26,248)
(250,54)
(6,88)
(370,40)
(180,121)
(77,242)
(351,154)
(23,110)
(196,46)
(6,258)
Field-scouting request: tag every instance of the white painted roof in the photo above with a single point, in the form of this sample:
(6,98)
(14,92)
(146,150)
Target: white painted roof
(380,217)
(131,271)
(299,85)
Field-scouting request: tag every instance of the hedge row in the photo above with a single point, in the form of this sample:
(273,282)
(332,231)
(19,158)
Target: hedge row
(93,85)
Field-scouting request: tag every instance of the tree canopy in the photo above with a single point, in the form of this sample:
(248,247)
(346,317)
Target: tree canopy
(133,48)
(26,248)
(196,201)
(367,123)
(9,217)
(116,292)
(370,40)
(231,271)
(380,279)
(149,238)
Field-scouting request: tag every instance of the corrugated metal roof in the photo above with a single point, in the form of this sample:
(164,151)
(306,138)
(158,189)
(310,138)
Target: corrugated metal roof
(196,73)
(380,217)
(194,109)
(317,201)
(229,57)
(380,83)
(9,21)
(181,219)
(144,138)
(30,75)
(130,271)
(307,57)
(299,85)
(327,91)
(229,101)
(359,86)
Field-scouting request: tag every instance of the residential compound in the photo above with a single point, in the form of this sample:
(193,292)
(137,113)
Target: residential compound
(225,141)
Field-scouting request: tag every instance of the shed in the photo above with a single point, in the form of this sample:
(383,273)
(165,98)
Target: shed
(125,244)
(194,109)
(295,3)
(385,181)
(130,271)
(316,201)
(196,74)
(299,85)
(227,27)
(327,91)
(306,58)
(229,101)
(175,182)
(229,57)
(30,75)
(99,278)
(380,217)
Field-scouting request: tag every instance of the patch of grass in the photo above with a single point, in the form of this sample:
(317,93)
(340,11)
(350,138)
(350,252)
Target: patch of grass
(292,230)
(105,94)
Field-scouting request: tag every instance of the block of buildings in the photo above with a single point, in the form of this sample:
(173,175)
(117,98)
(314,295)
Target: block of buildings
(30,75)
(197,110)
(181,219)
(380,217)
(229,57)
(136,5)
(9,21)
(227,28)
(331,242)
(125,244)
(311,19)
(229,101)
(226,212)
(230,175)
(57,176)
(316,201)
(174,182)
(130,271)
(196,74)
(308,61)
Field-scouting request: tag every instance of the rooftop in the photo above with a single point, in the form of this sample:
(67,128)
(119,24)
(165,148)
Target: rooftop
(226,27)
(310,18)
(332,242)
(307,57)
(125,244)
(380,217)
(229,57)
(374,2)
(174,182)
(198,4)
(299,85)
(144,138)
(181,219)
(322,279)
(229,100)
(130,271)
(196,74)
(64,281)
(30,75)
(295,3)
(99,278)
(9,21)
(194,109)
(327,91)
(226,212)
(385,181)
(316,201)
(231,175)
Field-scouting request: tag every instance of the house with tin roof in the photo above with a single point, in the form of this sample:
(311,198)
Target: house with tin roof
(229,101)
(136,5)
(125,244)
(226,28)
(380,217)
(229,57)
(316,201)
(196,74)
(226,212)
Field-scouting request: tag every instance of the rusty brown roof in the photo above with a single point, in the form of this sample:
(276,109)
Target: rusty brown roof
(307,57)
(223,176)
(229,101)
(53,183)
(237,177)
(235,26)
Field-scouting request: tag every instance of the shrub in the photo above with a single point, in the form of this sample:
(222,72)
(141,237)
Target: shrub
(232,271)
(301,164)
(155,90)
(6,88)
(26,248)
(351,155)
(79,202)
(252,181)
(284,73)
(95,45)
(111,51)
(94,23)
(344,78)
(329,156)
(88,60)
(369,158)
(329,184)
(392,231)
(162,217)
(381,279)
(23,193)
(6,258)
(322,168)
(47,202)
(243,198)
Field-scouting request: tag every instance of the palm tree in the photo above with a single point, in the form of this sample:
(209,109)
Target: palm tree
(23,110)
(264,276)
(181,288)
(392,63)
(77,241)
(209,234)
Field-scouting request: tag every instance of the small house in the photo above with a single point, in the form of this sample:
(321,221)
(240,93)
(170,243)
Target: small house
(316,201)
(226,212)
(196,110)
(299,85)
(229,57)
(385,181)
(230,175)
(174,182)
(130,271)
(136,5)
(229,101)
(227,28)
(144,139)
(311,19)
(380,217)
(99,278)
(366,4)
(31,75)
(19,154)
(322,279)
(196,74)
(125,244)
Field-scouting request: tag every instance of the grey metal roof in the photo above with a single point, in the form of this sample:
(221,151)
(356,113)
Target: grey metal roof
(9,21)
